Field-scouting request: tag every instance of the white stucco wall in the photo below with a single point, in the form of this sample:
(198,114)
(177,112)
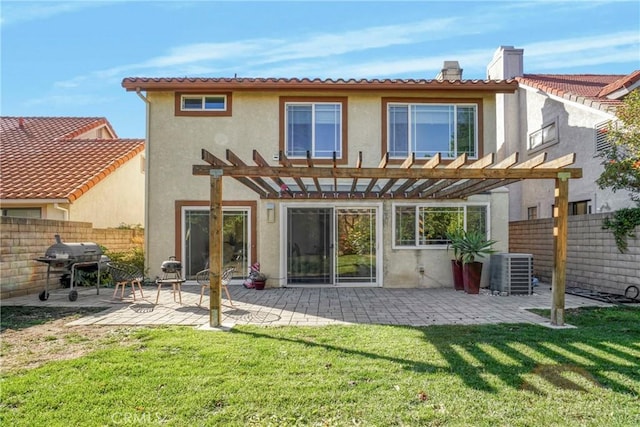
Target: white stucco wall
(576,123)
(174,145)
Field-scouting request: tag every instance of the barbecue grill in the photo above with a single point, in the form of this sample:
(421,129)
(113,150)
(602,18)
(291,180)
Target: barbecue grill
(69,257)
(171,266)
(171,274)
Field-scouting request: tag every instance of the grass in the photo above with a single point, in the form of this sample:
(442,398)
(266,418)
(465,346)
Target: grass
(367,375)
(16,317)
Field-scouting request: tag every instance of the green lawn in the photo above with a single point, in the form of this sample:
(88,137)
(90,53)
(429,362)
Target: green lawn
(502,375)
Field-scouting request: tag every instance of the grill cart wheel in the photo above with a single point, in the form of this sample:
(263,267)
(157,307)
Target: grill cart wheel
(44,295)
(73,295)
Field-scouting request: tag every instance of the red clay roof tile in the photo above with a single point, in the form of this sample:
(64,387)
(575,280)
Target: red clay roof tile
(242,83)
(41,159)
(625,81)
(583,88)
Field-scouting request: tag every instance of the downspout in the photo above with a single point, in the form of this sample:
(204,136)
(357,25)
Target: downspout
(65,211)
(146,174)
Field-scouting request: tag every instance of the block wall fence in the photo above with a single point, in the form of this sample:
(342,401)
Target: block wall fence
(593,259)
(23,239)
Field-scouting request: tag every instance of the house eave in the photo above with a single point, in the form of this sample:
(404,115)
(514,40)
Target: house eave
(23,202)
(273,84)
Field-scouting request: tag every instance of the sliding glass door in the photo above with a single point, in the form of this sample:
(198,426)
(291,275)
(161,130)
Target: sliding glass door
(331,246)
(195,244)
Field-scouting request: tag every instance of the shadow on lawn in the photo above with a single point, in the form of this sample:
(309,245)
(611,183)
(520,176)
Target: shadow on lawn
(525,357)
(21,317)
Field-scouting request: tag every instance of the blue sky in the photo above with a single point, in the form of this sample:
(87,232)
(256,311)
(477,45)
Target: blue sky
(69,58)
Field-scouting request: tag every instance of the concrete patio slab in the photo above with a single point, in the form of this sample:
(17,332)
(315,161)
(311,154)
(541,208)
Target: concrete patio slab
(308,306)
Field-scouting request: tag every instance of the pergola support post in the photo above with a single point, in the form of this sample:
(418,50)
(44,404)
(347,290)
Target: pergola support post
(215,249)
(560,231)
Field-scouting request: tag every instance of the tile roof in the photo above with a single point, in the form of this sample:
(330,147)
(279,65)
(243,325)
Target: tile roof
(586,89)
(42,158)
(243,83)
(623,82)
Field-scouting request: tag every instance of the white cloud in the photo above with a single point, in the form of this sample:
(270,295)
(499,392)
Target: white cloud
(14,12)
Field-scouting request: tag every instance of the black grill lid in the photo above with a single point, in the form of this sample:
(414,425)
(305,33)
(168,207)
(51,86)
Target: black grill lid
(171,265)
(78,252)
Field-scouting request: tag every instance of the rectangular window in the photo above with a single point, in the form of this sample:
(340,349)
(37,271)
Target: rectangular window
(22,212)
(427,226)
(428,129)
(193,104)
(315,128)
(548,134)
(579,208)
(532,212)
(204,102)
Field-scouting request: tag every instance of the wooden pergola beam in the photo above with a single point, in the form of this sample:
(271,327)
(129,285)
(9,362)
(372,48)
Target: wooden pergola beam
(375,173)
(560,232)
(409,161)
(215,249)
(374,178)
(235,160)
(450,181)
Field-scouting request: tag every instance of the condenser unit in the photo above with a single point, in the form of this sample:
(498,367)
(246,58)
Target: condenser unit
(511,273)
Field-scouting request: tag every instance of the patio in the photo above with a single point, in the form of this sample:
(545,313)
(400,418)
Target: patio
(309,306)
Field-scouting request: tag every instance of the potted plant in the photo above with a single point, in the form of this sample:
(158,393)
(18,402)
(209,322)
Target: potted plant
(474,244)
(455,243)
(256,279)
(260,281)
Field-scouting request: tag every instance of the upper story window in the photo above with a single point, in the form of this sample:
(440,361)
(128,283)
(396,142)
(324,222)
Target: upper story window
(428,225)
(426,129)
(547,135)
(316,126)
(193,104)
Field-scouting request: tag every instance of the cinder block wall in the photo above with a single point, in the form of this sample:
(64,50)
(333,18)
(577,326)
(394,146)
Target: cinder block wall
(593,259)
(23,239)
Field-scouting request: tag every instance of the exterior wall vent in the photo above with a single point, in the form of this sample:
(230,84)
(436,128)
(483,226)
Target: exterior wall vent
(602,136)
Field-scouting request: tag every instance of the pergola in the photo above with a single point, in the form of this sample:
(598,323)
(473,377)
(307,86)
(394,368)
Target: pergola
(431,180)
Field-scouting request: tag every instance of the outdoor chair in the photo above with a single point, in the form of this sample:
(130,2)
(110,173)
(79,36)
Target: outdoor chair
(202,277)
(123,275)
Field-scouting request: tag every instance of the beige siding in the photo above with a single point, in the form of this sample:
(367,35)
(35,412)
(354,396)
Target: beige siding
(117,199)
(175,144)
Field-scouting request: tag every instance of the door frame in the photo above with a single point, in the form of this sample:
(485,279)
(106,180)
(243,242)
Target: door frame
(378,208)
(250,206)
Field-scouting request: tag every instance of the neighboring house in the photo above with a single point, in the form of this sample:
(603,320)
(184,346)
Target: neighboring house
(344,232)
(70,168)
(558,114)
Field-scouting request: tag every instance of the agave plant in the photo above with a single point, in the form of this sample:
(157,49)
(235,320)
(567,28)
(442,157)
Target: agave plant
(456,238)
(475,244)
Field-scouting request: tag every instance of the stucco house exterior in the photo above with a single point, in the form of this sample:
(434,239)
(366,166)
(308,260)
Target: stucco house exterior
(71,169)
(335,238)
(558,114)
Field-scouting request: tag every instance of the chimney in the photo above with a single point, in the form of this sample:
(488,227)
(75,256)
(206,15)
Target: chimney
(450,71)
(506,63)
(21,123)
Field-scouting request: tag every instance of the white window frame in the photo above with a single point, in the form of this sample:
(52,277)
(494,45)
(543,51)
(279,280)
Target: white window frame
(411,148)
(203,103)
(417,207)
(550,138)
(313,104)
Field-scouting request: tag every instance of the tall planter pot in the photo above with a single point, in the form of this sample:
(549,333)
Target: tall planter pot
(471,275)
(456,270)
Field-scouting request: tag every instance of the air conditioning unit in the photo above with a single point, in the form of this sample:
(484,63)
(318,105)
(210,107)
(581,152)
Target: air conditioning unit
(511,273)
